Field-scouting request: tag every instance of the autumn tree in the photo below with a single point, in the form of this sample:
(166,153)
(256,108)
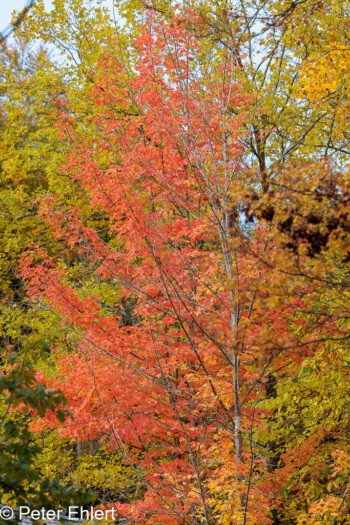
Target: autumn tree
(203,280)
(308,213)
(166,157)
(32,89)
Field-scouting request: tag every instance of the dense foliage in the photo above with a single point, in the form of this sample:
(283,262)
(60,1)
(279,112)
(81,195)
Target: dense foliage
(175,241)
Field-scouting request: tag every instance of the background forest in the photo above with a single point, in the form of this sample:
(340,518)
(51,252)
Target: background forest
(174,260)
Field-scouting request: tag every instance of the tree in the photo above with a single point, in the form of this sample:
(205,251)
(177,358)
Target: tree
(32,92)
(168,154)
(195,328)
(24,333)
(309,427)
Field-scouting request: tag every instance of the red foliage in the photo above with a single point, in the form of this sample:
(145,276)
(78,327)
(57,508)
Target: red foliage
(171,369)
